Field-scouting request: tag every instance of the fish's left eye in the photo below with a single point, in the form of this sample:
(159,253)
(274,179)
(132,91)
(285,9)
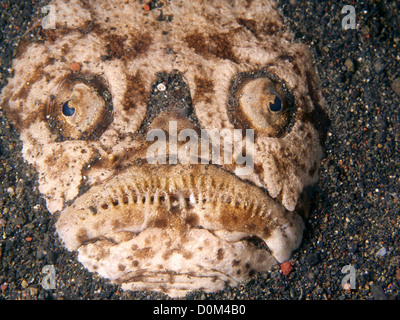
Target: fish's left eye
(67,110)
(277,104)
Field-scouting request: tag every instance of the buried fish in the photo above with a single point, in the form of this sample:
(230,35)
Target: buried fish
(113,80)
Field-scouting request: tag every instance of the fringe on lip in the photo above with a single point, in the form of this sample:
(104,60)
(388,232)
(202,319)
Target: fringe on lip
(185,193)
(179,197)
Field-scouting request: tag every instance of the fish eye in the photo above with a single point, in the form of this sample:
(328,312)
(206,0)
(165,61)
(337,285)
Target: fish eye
(262,103)
(67,110)
(80,107)
(276,105)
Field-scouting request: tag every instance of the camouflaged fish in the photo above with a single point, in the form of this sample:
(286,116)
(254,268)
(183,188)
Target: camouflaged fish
(93,98)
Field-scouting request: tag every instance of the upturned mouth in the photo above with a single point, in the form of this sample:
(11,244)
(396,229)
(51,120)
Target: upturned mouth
(179,197)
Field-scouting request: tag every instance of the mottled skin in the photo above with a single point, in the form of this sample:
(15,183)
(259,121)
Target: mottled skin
(223,65)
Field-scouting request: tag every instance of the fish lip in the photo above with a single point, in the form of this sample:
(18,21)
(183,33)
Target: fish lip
(250,210)
(142,163)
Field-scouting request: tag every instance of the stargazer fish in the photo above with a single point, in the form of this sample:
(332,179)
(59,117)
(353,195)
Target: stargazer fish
(160,209)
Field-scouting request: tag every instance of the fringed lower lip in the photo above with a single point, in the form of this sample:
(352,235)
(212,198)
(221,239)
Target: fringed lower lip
(180,197)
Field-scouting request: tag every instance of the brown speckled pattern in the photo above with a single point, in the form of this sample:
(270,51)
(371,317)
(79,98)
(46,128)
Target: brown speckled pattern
(211,56)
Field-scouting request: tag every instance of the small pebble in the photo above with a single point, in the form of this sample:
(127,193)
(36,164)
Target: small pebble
(379,66)
(381,252)
(24,284)
(11,191)
(378,293)
(76,66)
(365,30)
(353,247)
(347,286)
(349,65)
(286,268)
(161,87)
(312,259)
(396,86)
(34,291)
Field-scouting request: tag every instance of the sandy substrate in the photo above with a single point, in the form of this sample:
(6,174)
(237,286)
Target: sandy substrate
(355,206)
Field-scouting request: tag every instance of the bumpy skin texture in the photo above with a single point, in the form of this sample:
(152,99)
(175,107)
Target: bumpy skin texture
(222,65)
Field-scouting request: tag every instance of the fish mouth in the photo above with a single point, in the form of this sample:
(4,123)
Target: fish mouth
(179,197)
(178,228)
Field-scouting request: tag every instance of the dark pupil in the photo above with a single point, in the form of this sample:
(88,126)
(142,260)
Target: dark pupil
(277,105)
(67,111)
